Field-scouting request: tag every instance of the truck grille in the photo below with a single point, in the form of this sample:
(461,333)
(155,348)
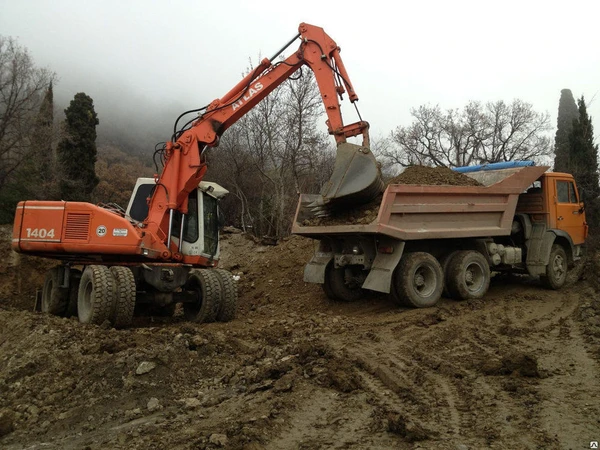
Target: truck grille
(78,226)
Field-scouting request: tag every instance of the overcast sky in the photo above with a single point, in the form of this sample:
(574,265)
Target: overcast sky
(398,54)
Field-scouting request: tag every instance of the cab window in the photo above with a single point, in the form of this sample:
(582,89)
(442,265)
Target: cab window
(565,192)
(190,224)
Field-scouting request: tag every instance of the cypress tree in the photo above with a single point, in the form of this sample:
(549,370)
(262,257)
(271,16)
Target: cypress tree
(584,161)
(77,151)
(41,146)
(567,112)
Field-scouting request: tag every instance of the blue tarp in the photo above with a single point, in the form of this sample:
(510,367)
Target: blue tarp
(494,166)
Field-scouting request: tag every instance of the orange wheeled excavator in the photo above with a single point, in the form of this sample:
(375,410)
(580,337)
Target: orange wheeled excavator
(164,248)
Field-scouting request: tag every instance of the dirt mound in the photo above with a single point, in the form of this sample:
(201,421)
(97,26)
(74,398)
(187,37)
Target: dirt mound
(431,176)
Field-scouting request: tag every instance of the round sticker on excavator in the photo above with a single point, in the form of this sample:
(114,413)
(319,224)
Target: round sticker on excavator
(101,231)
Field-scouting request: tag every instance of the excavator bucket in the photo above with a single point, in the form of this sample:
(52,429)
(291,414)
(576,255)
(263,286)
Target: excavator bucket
(356,180)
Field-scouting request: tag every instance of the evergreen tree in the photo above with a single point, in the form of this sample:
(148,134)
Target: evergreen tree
(39,170)
(567,112)
(77,151)
(584,161)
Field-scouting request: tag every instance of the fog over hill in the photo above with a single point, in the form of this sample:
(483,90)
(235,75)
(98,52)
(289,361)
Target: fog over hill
(129,119)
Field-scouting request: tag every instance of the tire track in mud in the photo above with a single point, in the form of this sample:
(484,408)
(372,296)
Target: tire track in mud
(436,372)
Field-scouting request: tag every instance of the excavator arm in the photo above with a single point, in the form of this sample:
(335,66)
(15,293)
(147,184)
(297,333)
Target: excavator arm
(184,166)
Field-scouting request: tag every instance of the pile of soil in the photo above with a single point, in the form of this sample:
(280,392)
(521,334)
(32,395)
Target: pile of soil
(295,370)
(419,175)
(433,176)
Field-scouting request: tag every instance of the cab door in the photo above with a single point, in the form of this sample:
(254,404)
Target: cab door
(569,213)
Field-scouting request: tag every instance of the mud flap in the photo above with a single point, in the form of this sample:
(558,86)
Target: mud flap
(539,246)
(382,270)
(314,271)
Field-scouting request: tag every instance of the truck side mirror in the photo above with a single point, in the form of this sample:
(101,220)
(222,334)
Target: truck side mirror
(581,199)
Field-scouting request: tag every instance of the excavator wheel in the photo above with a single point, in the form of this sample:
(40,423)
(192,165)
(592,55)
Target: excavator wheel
(207,289)
(96,298)
(54,298)
(125,296)
(229,291)
(74,280)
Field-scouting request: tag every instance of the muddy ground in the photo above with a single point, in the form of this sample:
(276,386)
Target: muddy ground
(517,370)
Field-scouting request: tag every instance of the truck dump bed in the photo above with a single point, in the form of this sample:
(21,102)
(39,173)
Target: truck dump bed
(411,212)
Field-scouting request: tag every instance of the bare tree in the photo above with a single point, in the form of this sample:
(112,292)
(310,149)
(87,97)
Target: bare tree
(477,134)
(271,155)
(22,88)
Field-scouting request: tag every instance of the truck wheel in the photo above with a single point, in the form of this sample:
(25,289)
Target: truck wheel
(344,285)
(125,296)
(229,292)
(418,280)
(327,283)
(468,275)
(556,270)
(54,298)
(96,298)
(444,262)
(74,280)
(207,289)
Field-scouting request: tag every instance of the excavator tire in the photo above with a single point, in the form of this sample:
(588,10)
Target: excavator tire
(96,298)
(74,280)
(468,275)
(343,285)
(556,270)
(125,296)
(418,280)
(207,287)
(229,291)
(54,298)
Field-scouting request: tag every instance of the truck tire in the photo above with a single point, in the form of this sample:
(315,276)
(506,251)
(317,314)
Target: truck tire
(343,284)
(207,288)
(74,280)
(124,296)
(229,293)
(54,298)
(418,280)
(468,275)
(327,283)
(96,298)
(444,262)
(556,270)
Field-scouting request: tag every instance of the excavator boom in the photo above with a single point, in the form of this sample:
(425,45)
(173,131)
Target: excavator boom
(355,179)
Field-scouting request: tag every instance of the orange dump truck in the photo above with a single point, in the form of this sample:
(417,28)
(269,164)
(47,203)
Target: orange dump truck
(427,240)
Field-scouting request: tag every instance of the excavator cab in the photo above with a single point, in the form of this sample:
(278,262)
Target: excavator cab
(195,233)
